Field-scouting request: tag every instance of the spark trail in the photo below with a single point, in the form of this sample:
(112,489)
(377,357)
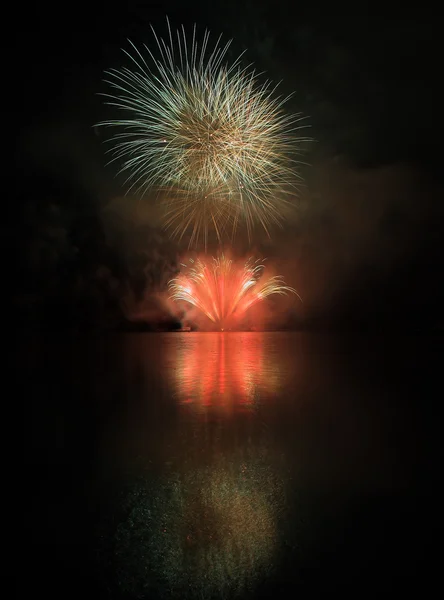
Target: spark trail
(214,142)
(225,291)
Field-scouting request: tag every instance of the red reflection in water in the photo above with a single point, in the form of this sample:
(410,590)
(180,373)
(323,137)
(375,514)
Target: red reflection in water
(223,369)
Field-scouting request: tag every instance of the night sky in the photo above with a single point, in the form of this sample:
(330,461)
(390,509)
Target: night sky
(364,246)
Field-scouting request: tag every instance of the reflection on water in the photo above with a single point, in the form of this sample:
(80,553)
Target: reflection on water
(204,531)
(216,370)
(209,465)
(208,521)
(253,419)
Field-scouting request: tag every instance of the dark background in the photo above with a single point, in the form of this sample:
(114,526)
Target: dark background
(364,248)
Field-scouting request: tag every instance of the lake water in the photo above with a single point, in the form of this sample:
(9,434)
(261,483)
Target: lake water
(200,465)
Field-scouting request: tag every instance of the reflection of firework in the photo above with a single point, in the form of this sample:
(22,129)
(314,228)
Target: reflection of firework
(209,136)
(224,291)
(206,532)
(225,372)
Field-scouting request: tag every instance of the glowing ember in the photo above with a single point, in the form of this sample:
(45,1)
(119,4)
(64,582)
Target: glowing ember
(224,291)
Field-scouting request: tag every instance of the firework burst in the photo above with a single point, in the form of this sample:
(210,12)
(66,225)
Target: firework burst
(207,136)
(224,291)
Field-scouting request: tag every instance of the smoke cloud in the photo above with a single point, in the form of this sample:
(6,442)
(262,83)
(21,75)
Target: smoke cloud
(362,245)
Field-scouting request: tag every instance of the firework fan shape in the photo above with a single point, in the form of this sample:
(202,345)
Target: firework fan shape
(223,290)
(207,136)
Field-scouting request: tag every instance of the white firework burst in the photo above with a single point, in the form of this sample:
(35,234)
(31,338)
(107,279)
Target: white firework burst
(215,143)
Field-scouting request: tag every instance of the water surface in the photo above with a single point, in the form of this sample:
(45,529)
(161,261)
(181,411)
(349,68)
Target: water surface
(227,464)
